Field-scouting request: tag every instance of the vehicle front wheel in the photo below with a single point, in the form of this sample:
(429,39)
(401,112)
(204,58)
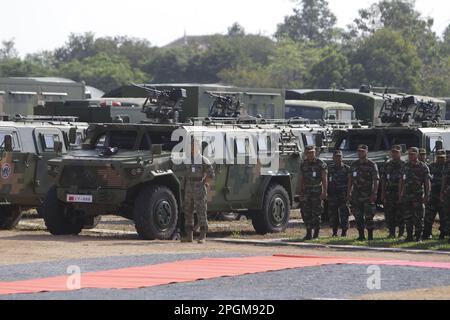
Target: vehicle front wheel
(274,216)
(156,213)
(58,218)
(9,217)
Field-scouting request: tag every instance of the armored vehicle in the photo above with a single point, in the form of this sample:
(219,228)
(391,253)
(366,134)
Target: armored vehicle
(366,101)
(25,146)
(447,113)
(133,170)
(20,95)
(267,103)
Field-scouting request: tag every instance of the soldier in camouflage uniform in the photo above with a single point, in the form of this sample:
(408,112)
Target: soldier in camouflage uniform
(415,191)
(423,156)
(337,194)
(445,198)
(435,205)
(362,192)
(198,174)
(390,196)
(313,191)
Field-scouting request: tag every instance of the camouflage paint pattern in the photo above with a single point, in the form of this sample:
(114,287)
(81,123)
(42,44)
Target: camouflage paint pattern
(435,206)
(391,177)
(338,210)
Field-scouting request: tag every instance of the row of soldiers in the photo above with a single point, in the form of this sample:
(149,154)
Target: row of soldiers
(413,193)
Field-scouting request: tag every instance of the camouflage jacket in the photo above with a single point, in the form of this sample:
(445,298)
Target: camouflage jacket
(337,179)
(414,178)
(436,175)
(363,174)
(196,173)
(392,175)
(311,172)
(446,182)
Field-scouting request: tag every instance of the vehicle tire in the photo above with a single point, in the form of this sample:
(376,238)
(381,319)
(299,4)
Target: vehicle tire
(274,217)
(57,216)
(90,223)
(9,217)
(156,213)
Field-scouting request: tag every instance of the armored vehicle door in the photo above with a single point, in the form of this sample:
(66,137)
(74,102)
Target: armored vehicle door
(14,164)
(243,175)
(45,139)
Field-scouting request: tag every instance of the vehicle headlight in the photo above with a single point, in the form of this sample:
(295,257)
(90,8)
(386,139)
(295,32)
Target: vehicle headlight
(136,171)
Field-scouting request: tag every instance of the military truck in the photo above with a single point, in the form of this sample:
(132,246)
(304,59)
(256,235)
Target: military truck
(320,110)
(25,146)
(267,103)
(131,170)
(366,101)
(447,113)
(21,95)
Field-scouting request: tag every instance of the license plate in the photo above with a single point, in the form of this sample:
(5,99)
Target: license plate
(78,198)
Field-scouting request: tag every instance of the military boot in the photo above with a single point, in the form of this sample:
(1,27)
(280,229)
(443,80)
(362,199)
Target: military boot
(401,231)
(202,237)
(316,233)
(370,235)
(442,236)
(361,235)
(335,232)
(448,239)
(189,236)
(409,234)
(344,233)
(308,235)
(427,233)
(418,236)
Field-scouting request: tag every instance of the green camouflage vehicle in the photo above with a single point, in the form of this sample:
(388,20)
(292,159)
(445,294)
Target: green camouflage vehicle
(25,146)
(132,170)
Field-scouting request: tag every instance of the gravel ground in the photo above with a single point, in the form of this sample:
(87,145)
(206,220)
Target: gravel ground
(326,282)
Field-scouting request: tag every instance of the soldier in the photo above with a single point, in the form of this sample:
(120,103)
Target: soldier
(445,198)
(390,192)
(362,192)
(415,191)
(435,205)
(313,191)
(337,194)
(198,175)
(423,156)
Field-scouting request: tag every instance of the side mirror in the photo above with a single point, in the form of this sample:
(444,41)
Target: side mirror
(8,143)
(58,147)
(72,135)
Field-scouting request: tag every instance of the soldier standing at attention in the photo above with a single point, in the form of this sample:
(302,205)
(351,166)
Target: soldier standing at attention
(313,191)
(435,205)
(198,175)
(337,194)
(423,156)
(390,186)
(445,198)
(415,191)
(362,192)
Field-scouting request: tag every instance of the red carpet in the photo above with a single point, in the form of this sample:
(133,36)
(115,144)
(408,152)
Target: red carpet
(191,270)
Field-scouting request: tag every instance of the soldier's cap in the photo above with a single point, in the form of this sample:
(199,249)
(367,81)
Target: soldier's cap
(422,151)
(363,147)
(338,153)
(441,154)
(413,150)
(396,148)
(310,148)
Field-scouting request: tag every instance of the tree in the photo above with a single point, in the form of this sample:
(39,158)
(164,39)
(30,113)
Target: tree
(332,70)
(389,60)
(236,30)
(102,71)
(8,51)
(312,20)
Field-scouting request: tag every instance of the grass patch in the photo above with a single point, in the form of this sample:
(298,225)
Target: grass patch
(381,241)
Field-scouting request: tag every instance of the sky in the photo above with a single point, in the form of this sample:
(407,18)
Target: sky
(45,24)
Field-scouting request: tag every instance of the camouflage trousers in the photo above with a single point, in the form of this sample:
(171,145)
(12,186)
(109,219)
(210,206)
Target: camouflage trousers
(338,212)
(364,213)
(433,208)
(312,209)
(414,212)
(196,202)
(393,211)
(446,214)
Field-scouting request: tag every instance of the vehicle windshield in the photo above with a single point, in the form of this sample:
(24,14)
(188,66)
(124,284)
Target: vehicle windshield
(304,112)
(351,141)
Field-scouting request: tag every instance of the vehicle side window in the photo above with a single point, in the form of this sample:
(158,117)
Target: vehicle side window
(101,141)
(48,141)
(15,140)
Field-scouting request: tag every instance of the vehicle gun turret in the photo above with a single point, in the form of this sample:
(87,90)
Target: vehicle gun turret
(396,109)
(427,111)
(225,106)
(163,106)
